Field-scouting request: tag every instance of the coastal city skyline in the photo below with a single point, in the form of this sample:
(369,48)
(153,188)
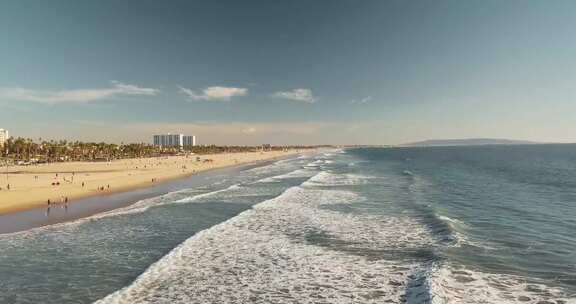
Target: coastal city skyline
(328,72)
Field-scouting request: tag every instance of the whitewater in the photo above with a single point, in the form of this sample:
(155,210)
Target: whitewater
(345,226)
(294,248)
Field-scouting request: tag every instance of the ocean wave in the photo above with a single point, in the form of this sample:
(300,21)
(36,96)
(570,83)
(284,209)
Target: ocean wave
(208,194)
(300,173)
(451,284)
(326,178)
(407,173)
(286,250)
(355,163)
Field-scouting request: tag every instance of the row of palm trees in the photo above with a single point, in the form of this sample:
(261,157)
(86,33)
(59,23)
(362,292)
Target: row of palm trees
(29,150)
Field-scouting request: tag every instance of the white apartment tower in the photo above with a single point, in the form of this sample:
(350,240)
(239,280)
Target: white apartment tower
(3,136)
(171,140)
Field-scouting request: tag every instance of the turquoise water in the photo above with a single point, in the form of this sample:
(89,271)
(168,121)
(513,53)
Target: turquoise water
(490,224)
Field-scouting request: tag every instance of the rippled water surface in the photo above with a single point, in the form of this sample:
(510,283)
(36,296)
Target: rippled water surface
(491,224)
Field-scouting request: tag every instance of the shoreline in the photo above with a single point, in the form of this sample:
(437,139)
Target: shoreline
(38,217)
(57,183)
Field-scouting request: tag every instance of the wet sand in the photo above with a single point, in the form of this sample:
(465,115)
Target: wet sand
(32,186)
(43,216)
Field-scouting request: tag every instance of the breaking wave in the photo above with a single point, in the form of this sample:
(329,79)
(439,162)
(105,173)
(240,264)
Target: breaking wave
(293,249)
(285,250)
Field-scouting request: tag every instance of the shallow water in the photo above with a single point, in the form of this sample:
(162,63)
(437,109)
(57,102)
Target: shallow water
(415,225)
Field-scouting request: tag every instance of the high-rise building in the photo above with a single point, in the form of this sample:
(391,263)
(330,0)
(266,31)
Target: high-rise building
(190,140)
(172,140)
(3,137)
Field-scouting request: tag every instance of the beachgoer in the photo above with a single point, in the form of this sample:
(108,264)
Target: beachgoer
(82,184)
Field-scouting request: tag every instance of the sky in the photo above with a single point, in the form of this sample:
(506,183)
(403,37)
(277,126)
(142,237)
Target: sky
(288,72)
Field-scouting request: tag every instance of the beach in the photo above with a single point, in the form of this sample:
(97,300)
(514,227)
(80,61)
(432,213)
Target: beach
(33,186)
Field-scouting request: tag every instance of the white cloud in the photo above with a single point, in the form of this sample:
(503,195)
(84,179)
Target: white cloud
(361,101)
(214,93)
(303,95)
(129,89)
(74,96)
(249,130)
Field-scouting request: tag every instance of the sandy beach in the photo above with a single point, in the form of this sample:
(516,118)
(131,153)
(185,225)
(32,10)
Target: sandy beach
(32,186)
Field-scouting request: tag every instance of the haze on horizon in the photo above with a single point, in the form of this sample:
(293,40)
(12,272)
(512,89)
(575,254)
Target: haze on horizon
(289,72)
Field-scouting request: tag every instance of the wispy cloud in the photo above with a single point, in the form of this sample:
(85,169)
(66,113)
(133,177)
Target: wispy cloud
(249,130)
(74,96)
(302,95)
(216,93)
(361,101)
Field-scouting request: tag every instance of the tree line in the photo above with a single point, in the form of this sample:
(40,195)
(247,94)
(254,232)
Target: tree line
(29,150)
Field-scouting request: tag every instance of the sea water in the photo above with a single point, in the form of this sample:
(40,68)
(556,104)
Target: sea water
(489,224)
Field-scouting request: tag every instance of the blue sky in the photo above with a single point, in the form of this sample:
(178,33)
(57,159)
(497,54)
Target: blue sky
(288,72)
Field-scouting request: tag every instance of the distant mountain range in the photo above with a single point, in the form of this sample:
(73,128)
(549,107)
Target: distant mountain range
(468,142)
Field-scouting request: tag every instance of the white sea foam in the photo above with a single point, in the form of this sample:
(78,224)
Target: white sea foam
(450,284)
(326,178)
(209,194)
(300,173)
(285,250)
(191,195)
(355,163)
(294,249)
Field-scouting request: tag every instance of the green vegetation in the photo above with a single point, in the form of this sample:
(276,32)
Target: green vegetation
(28,150)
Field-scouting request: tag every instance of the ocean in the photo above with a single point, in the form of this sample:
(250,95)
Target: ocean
(477,224)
